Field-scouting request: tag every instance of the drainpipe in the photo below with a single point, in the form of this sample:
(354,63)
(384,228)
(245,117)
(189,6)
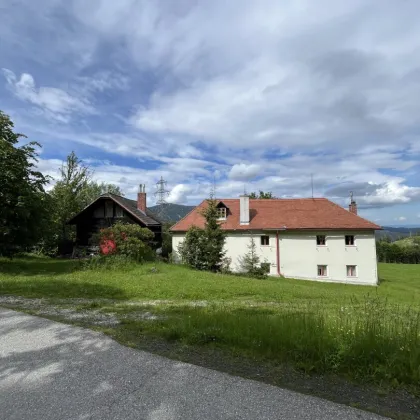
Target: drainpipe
(278,253)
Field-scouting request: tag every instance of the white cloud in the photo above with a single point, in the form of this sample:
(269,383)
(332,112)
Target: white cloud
(179,194)
(243,171)
(401,219)
(55,102)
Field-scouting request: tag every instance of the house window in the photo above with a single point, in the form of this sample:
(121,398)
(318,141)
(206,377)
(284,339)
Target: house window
(221,213)
(322,270)
(109,209)
(119,212)
(351,271)
(98,213)
(321,240)
(349,240)
(265,240)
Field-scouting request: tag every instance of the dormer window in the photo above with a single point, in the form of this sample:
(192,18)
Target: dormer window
(222,211)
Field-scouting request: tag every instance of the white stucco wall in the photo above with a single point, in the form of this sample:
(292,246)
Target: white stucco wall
(300,255)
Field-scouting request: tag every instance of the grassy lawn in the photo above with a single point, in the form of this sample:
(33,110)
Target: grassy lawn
(366,334)
(39,277)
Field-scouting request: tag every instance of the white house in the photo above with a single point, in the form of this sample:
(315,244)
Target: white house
(311,238)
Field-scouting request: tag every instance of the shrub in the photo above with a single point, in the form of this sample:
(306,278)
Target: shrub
(127,240)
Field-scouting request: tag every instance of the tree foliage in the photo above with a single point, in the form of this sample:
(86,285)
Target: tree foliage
(251,264)
(24,205)
(69,193)
(203,249)
(392,253)
(73,192)
(94,189)
(262,195)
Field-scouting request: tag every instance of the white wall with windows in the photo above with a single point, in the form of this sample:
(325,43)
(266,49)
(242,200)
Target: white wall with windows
(345,257)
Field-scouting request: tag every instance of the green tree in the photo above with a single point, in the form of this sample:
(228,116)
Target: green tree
(69,193)
(214,236)
(94,189)
(193,249)
(262,195)
(203,248)
(250,261)
(24,203)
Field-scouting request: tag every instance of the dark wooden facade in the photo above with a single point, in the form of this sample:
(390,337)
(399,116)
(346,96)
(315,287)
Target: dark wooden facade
(106,211)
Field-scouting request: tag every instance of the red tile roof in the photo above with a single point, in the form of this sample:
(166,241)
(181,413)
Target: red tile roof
(292,214)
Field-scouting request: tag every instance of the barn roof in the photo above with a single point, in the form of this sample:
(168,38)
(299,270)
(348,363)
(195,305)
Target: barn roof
(290,214)
(147,218)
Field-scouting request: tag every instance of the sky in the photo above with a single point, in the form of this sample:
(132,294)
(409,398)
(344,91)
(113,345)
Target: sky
(244,95)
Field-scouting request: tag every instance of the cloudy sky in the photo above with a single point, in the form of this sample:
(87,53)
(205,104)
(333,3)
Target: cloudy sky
(244,93)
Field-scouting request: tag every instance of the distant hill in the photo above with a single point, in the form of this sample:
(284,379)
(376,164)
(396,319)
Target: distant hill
(171,212)
(396,233)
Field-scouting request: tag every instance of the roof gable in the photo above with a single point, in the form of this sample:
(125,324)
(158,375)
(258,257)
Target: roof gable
(148,218)
(292,214)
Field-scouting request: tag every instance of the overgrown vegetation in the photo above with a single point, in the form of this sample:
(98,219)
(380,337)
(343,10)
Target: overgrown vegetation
(407,252)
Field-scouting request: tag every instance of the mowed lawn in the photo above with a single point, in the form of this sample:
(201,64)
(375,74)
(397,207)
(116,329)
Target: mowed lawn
(54,278)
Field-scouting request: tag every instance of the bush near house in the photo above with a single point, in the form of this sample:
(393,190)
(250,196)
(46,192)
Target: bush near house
(127,240)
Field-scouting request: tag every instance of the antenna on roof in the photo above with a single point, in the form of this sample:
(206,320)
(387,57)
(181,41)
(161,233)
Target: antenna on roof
(312,184)
(213,188)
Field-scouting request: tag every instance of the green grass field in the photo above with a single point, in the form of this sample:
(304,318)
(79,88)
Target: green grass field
(40,277)
(360,332)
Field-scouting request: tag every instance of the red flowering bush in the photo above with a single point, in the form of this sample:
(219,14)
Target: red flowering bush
(126,239)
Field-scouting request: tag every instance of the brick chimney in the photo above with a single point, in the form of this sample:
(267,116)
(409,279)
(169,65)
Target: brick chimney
(353,204)
(141,198)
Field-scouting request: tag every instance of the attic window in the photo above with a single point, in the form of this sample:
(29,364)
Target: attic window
(109,209)
(321,240)
(349,240)
(119,212)
(221,212)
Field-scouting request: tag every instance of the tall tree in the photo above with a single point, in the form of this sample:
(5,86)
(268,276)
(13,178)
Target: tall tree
(262,195)
(214,236)
(69,192)
(24,203)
